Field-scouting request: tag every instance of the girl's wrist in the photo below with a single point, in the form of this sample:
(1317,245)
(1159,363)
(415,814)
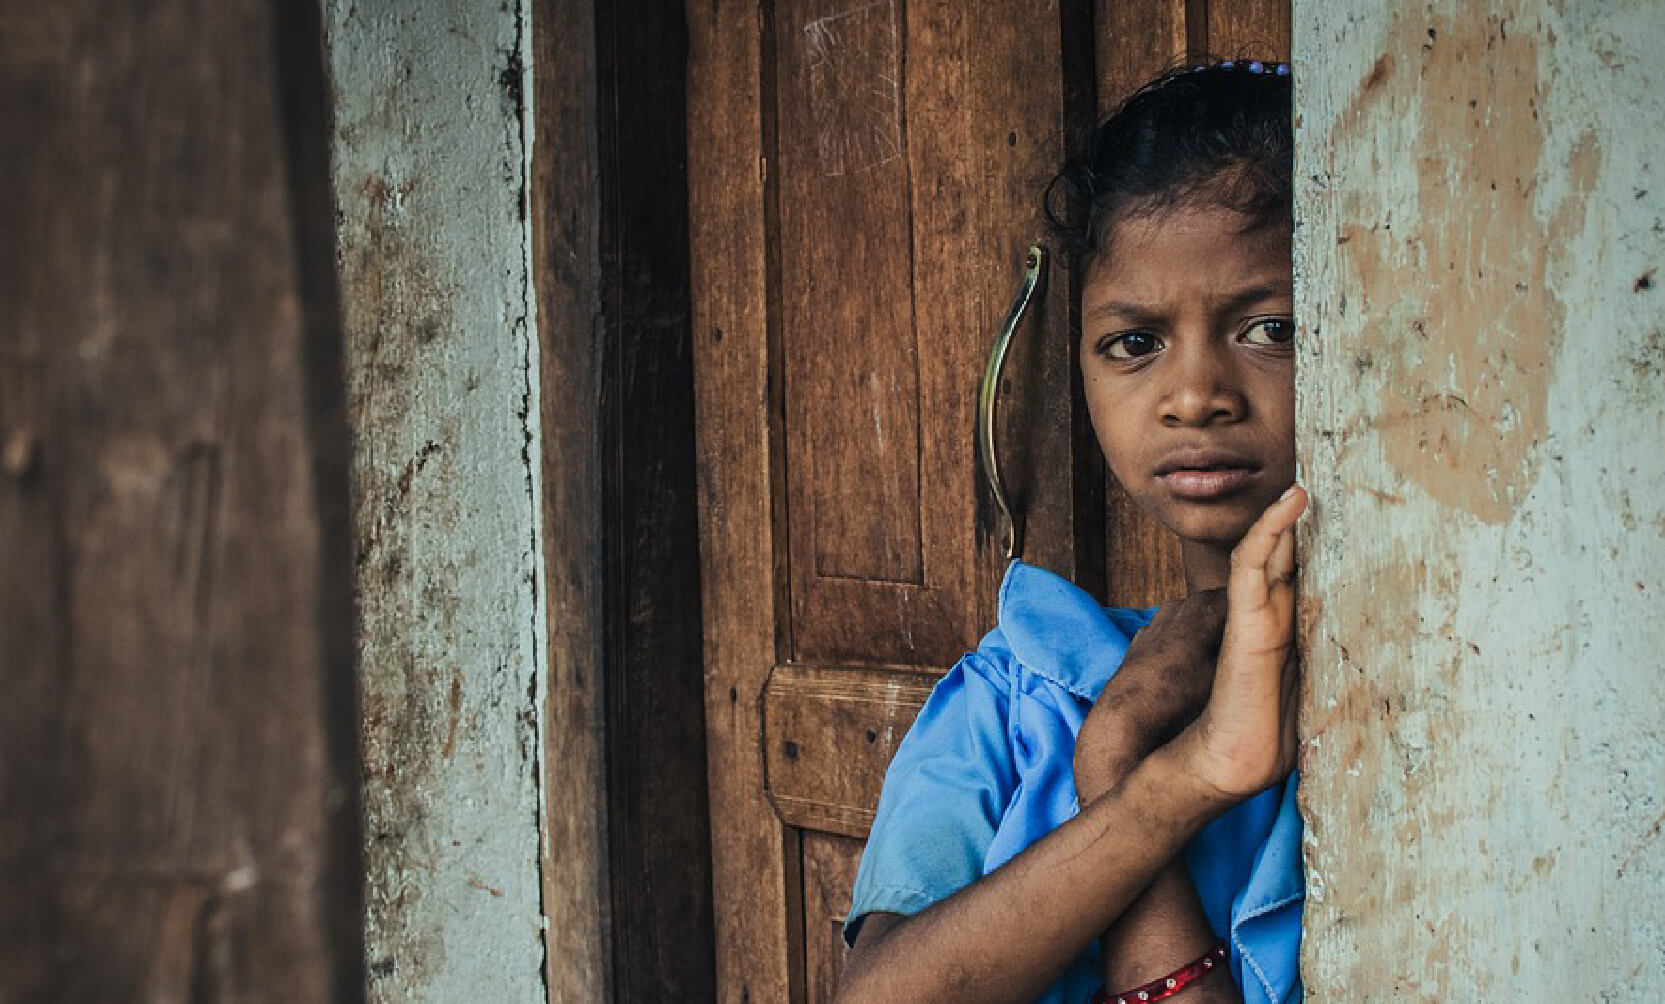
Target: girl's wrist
(1184,793)
(1207,783)
(1096,772)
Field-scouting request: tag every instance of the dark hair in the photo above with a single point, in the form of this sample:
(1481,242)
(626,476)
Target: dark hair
(1210,133)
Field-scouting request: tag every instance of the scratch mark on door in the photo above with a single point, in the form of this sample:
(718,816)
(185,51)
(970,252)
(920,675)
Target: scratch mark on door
(854,64)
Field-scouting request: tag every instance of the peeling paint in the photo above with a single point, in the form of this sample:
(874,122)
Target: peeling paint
(1483,741)
(1463,420)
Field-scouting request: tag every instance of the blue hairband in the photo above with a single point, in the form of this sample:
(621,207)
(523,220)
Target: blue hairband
(1256,66)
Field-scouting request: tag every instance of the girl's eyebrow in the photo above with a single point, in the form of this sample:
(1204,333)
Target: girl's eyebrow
(1132,313)
(1144,314)
(1250,295)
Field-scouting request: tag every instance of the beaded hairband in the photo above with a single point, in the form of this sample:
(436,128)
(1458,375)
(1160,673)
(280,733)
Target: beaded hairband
(1254,66)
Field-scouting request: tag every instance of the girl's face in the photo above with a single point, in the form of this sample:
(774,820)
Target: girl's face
(1187,355)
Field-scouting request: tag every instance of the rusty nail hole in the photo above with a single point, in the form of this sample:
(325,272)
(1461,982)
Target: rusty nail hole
(789,748)
(717,336)
(872,736)
(1644,282)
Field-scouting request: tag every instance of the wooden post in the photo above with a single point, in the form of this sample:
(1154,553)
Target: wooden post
(178,802)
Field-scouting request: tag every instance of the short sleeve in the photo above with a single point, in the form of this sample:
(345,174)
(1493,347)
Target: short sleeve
(943,797)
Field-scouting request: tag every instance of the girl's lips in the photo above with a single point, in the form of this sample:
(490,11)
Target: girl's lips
(1202,485)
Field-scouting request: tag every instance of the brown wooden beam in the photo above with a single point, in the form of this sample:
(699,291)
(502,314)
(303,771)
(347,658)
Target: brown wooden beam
(178,763)
(628,852)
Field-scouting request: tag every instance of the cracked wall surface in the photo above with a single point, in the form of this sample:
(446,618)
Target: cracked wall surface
(1482,407)
(430,173)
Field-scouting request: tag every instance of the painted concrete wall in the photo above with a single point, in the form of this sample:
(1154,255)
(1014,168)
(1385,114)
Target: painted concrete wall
(1482,422)
(430,152)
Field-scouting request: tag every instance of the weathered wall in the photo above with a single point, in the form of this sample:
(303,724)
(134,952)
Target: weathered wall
(1482,416)
(430,175)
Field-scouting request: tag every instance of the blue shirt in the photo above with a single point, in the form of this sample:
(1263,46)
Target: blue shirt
(986,770)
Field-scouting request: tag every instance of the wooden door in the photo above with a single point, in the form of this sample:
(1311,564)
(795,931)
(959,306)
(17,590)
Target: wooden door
(864,181)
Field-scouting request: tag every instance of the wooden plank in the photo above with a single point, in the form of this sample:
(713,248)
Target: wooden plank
(1254,28)
(1135,42)
(1078,62)
(829,734)
(1144,564)
(658,825)
(567,273)
(1020,101)
(859,410)
(179,774)
(852,366)
(757,890)
(829,873)
(979,108)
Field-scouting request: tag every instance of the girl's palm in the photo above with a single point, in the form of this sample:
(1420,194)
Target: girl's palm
(1244,740)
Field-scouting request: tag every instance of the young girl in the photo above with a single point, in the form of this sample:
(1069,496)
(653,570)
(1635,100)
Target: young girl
(1084,809)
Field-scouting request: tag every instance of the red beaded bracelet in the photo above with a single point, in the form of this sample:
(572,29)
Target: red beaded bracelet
(1168,985)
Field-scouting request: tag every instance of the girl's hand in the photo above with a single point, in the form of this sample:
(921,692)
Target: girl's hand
(1244,739)
(1163,683)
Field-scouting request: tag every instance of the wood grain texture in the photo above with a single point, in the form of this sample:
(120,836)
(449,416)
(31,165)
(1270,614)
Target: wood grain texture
(628,825)
(1144,564)
(879,386)
(1138,40)
(859,416)
(829,873)
(757,911)
(659,831)
(1255,28)
(851,362)
(178,772)
(1010,129)
(829,734)
(567,273)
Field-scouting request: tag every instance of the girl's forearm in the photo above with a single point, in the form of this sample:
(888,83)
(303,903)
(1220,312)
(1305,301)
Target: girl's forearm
(1164,929)
(1009,935)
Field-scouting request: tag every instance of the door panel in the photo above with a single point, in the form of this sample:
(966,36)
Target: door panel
(906,166)
(852,366)
(829,735)
(829,872)
(864,181)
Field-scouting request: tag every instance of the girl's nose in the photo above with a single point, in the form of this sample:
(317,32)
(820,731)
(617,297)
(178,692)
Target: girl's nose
(1203,390)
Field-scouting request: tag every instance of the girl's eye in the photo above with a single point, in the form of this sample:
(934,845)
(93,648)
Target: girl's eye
(1129,345)
(1271,331)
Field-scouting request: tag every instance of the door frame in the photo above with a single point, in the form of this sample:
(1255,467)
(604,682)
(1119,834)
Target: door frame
(626,833)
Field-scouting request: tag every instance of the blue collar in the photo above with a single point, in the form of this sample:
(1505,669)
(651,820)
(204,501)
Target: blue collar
(1059,632)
